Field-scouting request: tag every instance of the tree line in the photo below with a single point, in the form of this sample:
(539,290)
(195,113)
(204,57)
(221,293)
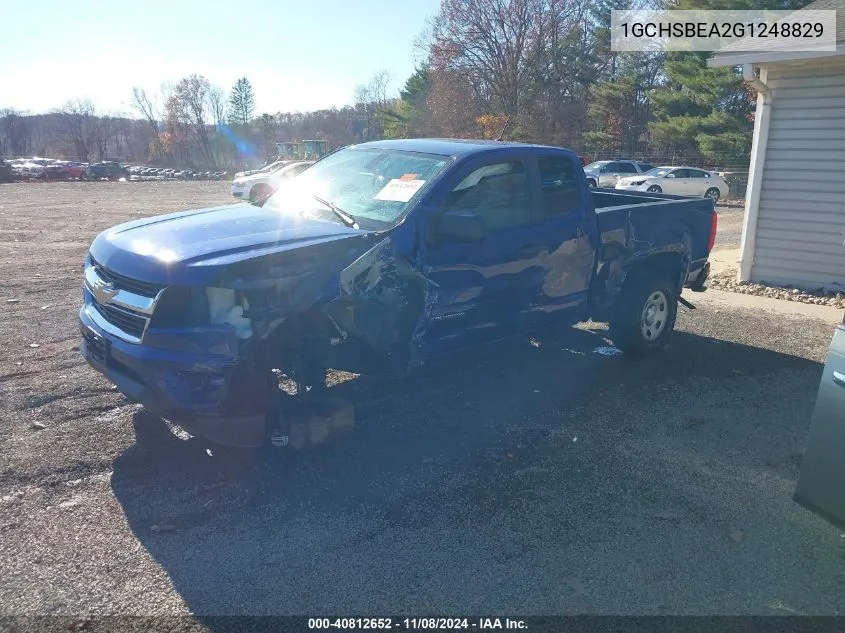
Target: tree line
(531,70)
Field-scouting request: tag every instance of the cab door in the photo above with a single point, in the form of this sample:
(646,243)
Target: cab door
(699,182)
(821,481)
(676,182)
(480,289)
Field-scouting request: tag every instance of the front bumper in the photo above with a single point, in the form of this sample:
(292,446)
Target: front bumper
(238,191)
(625,187)
(203,393)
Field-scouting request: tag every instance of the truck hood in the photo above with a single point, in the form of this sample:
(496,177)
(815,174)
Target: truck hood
(156,249)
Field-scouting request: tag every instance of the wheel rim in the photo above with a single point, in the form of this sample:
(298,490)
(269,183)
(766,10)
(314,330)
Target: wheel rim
(591,184)
(654,189)
(713,194)
(654,316)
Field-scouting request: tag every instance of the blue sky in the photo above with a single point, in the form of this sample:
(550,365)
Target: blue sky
(301,55)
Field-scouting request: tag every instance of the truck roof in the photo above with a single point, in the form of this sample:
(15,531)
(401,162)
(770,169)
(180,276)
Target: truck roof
(448,146)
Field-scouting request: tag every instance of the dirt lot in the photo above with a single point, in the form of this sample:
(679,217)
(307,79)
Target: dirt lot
(536,480)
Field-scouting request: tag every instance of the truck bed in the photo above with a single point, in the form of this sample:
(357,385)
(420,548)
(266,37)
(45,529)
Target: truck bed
(634,223)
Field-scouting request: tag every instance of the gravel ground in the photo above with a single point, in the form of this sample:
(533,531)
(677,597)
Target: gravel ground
(540,478)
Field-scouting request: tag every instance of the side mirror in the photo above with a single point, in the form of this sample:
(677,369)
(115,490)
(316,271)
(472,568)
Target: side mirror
(462,226)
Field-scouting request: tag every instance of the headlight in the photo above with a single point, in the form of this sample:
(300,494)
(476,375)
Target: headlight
(237,183)
(636,183)
(224,307)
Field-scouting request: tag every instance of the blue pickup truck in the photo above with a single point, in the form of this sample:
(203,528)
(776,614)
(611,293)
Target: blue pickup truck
(382,256)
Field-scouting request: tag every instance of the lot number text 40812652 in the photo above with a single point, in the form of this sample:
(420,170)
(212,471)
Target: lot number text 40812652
(412,624)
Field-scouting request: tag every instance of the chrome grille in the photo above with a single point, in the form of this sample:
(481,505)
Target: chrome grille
(130,322)
(122,282)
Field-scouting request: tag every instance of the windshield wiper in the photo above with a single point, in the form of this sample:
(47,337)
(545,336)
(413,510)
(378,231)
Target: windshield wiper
(347,219)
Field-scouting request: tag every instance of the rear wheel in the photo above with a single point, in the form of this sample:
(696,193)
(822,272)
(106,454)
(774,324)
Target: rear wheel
(645,314)
(655,189)
(713,193)
(591,183)
(259,192)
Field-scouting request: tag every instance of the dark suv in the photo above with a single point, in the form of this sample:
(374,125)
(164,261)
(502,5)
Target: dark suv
(107,169)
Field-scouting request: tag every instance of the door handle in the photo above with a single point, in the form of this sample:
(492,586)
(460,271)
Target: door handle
(839,378)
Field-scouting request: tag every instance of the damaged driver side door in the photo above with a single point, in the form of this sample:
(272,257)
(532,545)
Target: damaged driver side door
(479,243)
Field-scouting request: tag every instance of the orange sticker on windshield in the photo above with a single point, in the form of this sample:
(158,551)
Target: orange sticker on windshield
(407,177)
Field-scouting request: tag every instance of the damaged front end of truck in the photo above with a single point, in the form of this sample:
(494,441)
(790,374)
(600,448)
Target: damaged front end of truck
(209,357)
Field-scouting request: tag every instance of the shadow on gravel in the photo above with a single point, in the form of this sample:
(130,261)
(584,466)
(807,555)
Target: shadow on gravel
(202,515)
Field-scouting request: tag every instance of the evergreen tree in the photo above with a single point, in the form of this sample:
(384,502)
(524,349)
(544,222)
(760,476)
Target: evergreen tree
(408,117)
(241,103)
(706,112)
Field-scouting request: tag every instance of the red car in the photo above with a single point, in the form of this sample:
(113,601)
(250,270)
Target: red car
(75,170)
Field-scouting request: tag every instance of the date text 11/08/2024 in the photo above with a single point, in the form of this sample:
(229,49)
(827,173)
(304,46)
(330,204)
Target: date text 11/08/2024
(417,623)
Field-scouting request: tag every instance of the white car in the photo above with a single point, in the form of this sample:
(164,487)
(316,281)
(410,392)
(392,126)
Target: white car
(30,168)
(682,181)
(264,170)
(262,184)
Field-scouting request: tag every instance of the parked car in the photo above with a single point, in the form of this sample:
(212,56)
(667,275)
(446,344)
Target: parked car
(107,169)
(76,170)
(57,170)
(682,181)
(383,257)
(605,173)
(28,168)
(259,185)
(821,480)
(7,174)
(262,170)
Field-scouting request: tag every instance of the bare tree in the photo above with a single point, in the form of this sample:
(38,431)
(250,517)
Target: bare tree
(487,42)
(152,114)
(217,104)
(80,125)
(15,133)
(104,131)
(195,95)
(370,99)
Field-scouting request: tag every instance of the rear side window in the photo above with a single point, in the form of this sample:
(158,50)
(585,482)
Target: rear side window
(696,173)
(624,168)
(558,186)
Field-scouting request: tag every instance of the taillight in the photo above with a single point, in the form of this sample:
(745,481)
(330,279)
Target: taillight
(714,223)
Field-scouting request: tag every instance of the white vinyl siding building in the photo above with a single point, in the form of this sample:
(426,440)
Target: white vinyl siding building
(794,227)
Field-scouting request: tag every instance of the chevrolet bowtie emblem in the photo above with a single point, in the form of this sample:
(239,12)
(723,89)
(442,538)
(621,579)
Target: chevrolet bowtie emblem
(104,290)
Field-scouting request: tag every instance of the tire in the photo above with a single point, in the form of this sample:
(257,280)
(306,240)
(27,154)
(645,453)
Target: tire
(308,371)
(591,184)
(645,315)
(655,189)
(713,193)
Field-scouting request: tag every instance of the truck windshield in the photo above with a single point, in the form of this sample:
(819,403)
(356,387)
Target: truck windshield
(376,187)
